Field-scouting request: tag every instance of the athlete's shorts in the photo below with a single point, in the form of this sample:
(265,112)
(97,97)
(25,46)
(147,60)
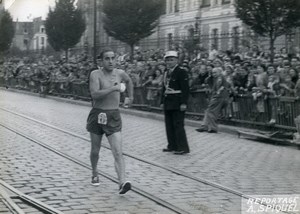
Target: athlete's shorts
(104,121)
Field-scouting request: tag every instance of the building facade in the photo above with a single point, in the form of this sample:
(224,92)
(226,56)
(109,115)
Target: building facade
(182,19)
(208,22)
(39,40)
(30,36)
(23,36)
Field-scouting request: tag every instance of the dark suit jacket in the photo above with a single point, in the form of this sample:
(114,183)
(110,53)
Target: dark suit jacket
(178,81)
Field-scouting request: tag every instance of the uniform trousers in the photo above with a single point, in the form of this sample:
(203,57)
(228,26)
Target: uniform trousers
(174,121)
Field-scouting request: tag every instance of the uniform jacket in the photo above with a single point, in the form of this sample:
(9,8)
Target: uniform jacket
(178,81)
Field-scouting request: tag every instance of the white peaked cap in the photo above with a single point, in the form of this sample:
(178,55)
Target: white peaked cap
(171,54)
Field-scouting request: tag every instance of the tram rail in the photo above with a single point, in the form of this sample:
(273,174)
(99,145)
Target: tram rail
(12,201)
(139,191)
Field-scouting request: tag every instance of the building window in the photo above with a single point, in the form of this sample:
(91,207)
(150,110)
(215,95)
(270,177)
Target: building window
(170,40)
(42,40)
(176,7)
(42,30)
(236,38)
(25,42)
(164,7)
(188,5)
(215,38)
(170,6)
(226,1)
(25,31)
(37,43)
(205,3)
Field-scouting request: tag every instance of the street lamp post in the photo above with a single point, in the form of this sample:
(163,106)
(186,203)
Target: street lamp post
(95,33)
(290,40)
(196,31)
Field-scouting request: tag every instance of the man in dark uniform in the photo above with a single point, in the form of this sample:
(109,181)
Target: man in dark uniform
(174,102)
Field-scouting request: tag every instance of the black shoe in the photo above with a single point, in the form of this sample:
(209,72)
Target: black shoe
(201,130)
(95,181)
(180,152)
(212,131)
(167,150)
(125,187)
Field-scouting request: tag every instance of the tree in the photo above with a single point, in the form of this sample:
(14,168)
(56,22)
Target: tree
(131,20)
(64,26)
(7,31)
(269,18)
(191,43)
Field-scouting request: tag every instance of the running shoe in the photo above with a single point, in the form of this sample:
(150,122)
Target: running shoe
(125,187)
(95,181)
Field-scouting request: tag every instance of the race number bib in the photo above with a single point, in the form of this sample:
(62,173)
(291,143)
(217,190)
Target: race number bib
(102,119)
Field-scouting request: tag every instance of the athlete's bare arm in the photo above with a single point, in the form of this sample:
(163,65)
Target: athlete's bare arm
(96,92)
(129,84)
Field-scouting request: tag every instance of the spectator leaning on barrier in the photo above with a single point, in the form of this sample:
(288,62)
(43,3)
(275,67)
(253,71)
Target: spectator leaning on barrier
(199,81)
(152,83)
(218,101)
(273,90)
(157,77)
(156,83)
(294,75)
(297,87)
(287,87)
(239,80)
(228,71)
(273,81)
(261,82)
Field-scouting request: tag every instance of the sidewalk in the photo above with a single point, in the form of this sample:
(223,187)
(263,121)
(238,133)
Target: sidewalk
(222,128)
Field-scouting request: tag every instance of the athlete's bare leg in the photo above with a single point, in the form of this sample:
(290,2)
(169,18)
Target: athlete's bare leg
(115,141)
(95,149)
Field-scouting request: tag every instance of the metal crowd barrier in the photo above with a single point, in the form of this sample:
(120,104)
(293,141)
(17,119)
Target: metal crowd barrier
(282,109)
(242,108)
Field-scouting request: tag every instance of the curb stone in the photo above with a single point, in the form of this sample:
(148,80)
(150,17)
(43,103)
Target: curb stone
(156,116)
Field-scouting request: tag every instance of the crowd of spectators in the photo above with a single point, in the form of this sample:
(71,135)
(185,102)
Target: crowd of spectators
(248,71)
(45,73)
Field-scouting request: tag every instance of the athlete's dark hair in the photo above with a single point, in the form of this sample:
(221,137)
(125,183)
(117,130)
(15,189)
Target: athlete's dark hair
(104,51)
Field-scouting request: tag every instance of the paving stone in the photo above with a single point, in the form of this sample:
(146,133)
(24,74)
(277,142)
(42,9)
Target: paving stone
(247,166)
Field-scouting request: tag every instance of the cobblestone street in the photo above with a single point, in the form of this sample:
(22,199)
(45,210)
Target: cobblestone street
(249,167)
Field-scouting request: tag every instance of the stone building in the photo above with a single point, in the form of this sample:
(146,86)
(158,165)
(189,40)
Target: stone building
(30,36)
(39,40)
(181,20)
(207,22)
(23,36)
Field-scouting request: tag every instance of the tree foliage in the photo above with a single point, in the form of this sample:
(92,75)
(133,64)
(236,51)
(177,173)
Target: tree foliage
(131,20)
(269,18)
(7,31)
(64,25)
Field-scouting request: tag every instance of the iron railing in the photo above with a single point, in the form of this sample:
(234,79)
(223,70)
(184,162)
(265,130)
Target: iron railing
(241,108)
